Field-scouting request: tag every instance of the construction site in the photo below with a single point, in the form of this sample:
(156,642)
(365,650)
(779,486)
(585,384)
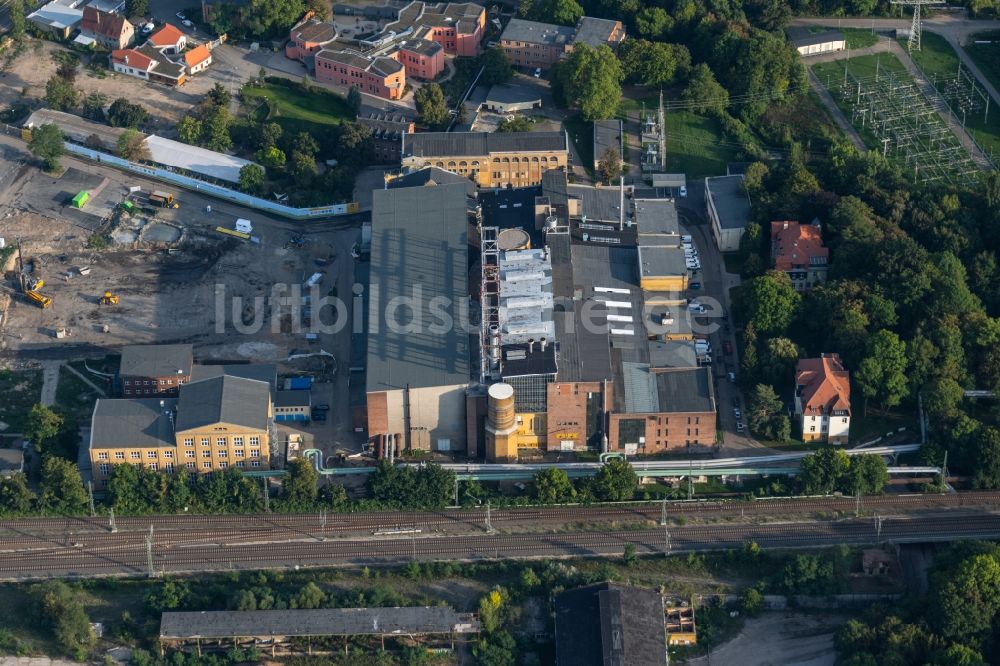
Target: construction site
(94,259)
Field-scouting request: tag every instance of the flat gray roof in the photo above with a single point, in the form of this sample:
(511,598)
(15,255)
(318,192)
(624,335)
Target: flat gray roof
(419,251)
(264,372)
(534,32)
(293,398)
(800,36)
(672,354)
(225,399)
(599,204)
(432,176)
(659,260)
(656,218)
(318,622)
(505,93)
(155,360)
(731,202)
(607,135)
(142,423)
(688,390)
(472,144)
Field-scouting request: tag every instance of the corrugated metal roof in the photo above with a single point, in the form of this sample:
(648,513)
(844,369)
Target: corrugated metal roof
(419,251)
(319,622)
(640,388)
(195,159)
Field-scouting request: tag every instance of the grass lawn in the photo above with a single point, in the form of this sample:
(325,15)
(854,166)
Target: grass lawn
(696,145)
(75,396)
(20,391)
(866,427)
(296,109)
(650,102)
(939,61)
(986,56)
(581,133)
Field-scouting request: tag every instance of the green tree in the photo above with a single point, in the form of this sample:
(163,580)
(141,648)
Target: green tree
(244,600)
(654,64)
(93,106)
(823,471)
(590,78)
(123,113)
(882,373)
(310,596)
(190,130)
(765,414)
(132,146)
(43,425)
(653,22)
(61,487)
(301,481)
(48,145)
(15,496)
(943,398)
(15,10)
(136,8)
(752,601)
(703,93)
(777,361)
(867,475)
(60,93)
(769,302)
(304,143)
(431,105)
(768,14)
(610,165)
(251,178)
(215,129)
(272,157)
(629,557)
(515,124)
(966,602)
(354,100)
(498,649)
(302,167)
(355,143)
(219,96)
(268,134)
(493,609)
(57,607)
(616,481)
(552,485)
(561,12)
(496,67)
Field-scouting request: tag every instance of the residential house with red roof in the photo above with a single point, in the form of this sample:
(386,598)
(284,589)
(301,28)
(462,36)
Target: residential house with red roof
(168,39)
(797,250)
(149,64)
(197,59)
(823,399)
(112,31)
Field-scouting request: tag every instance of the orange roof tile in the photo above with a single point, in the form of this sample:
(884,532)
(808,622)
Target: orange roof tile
(197,55)
(132,58)
(823,385)
(797,245)
(168,35)
(102,23)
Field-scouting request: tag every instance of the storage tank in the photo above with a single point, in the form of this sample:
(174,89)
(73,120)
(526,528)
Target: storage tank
(514,239)
(500,411)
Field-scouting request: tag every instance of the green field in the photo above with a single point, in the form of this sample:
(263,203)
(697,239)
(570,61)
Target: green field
(20,390)
(297,109)
(696,145)
(863,67)
(939,61)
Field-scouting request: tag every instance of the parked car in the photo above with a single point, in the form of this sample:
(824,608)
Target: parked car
(685,239)
(694,285)
(737,413)
(732,377)
(491,45)
(148,28)
(696,309)
(187,23)
(684,191)
(739,426)
(318,415)
(538,73)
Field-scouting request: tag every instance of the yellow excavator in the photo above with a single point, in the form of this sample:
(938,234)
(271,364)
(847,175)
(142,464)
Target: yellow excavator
(39,299)
(110,299)
(31,284)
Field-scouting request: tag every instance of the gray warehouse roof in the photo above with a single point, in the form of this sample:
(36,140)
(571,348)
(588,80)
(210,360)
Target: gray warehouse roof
(263,372)
(688,390)
(656,217)
(431,176)
(127,423)
(731,202)
(598,204)
(419,251)
(533,32)
(607,135)
(226,399)
(594,31)
(319,622)
(472,144)
(609,624)
(661,261)
(505,93)
(802,37)
(155,360)
(293,398)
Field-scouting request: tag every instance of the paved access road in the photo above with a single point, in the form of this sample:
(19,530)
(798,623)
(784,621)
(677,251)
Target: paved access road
(48,548)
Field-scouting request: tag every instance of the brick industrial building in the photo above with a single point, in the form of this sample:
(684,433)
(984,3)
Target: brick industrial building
(154,370)
(515,159)
(532,44)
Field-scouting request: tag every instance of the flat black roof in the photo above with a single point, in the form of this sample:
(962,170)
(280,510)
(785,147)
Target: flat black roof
(518,361)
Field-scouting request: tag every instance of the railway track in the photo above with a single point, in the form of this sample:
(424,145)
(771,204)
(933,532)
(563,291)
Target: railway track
(23,532)
(130,557)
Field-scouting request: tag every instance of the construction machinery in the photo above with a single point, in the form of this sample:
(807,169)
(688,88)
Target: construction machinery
(109,299)
(164,199)
(38,298)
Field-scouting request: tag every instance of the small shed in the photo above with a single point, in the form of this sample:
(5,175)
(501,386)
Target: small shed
(294,405)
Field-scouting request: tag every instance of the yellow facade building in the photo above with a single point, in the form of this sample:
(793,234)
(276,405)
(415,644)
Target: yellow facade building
(506,159)
(212,425)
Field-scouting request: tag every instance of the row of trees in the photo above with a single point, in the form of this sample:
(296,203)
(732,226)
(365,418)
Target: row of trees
(615,482)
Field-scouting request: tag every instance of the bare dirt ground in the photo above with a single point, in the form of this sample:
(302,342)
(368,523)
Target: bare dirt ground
(24,78)
(777,638)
